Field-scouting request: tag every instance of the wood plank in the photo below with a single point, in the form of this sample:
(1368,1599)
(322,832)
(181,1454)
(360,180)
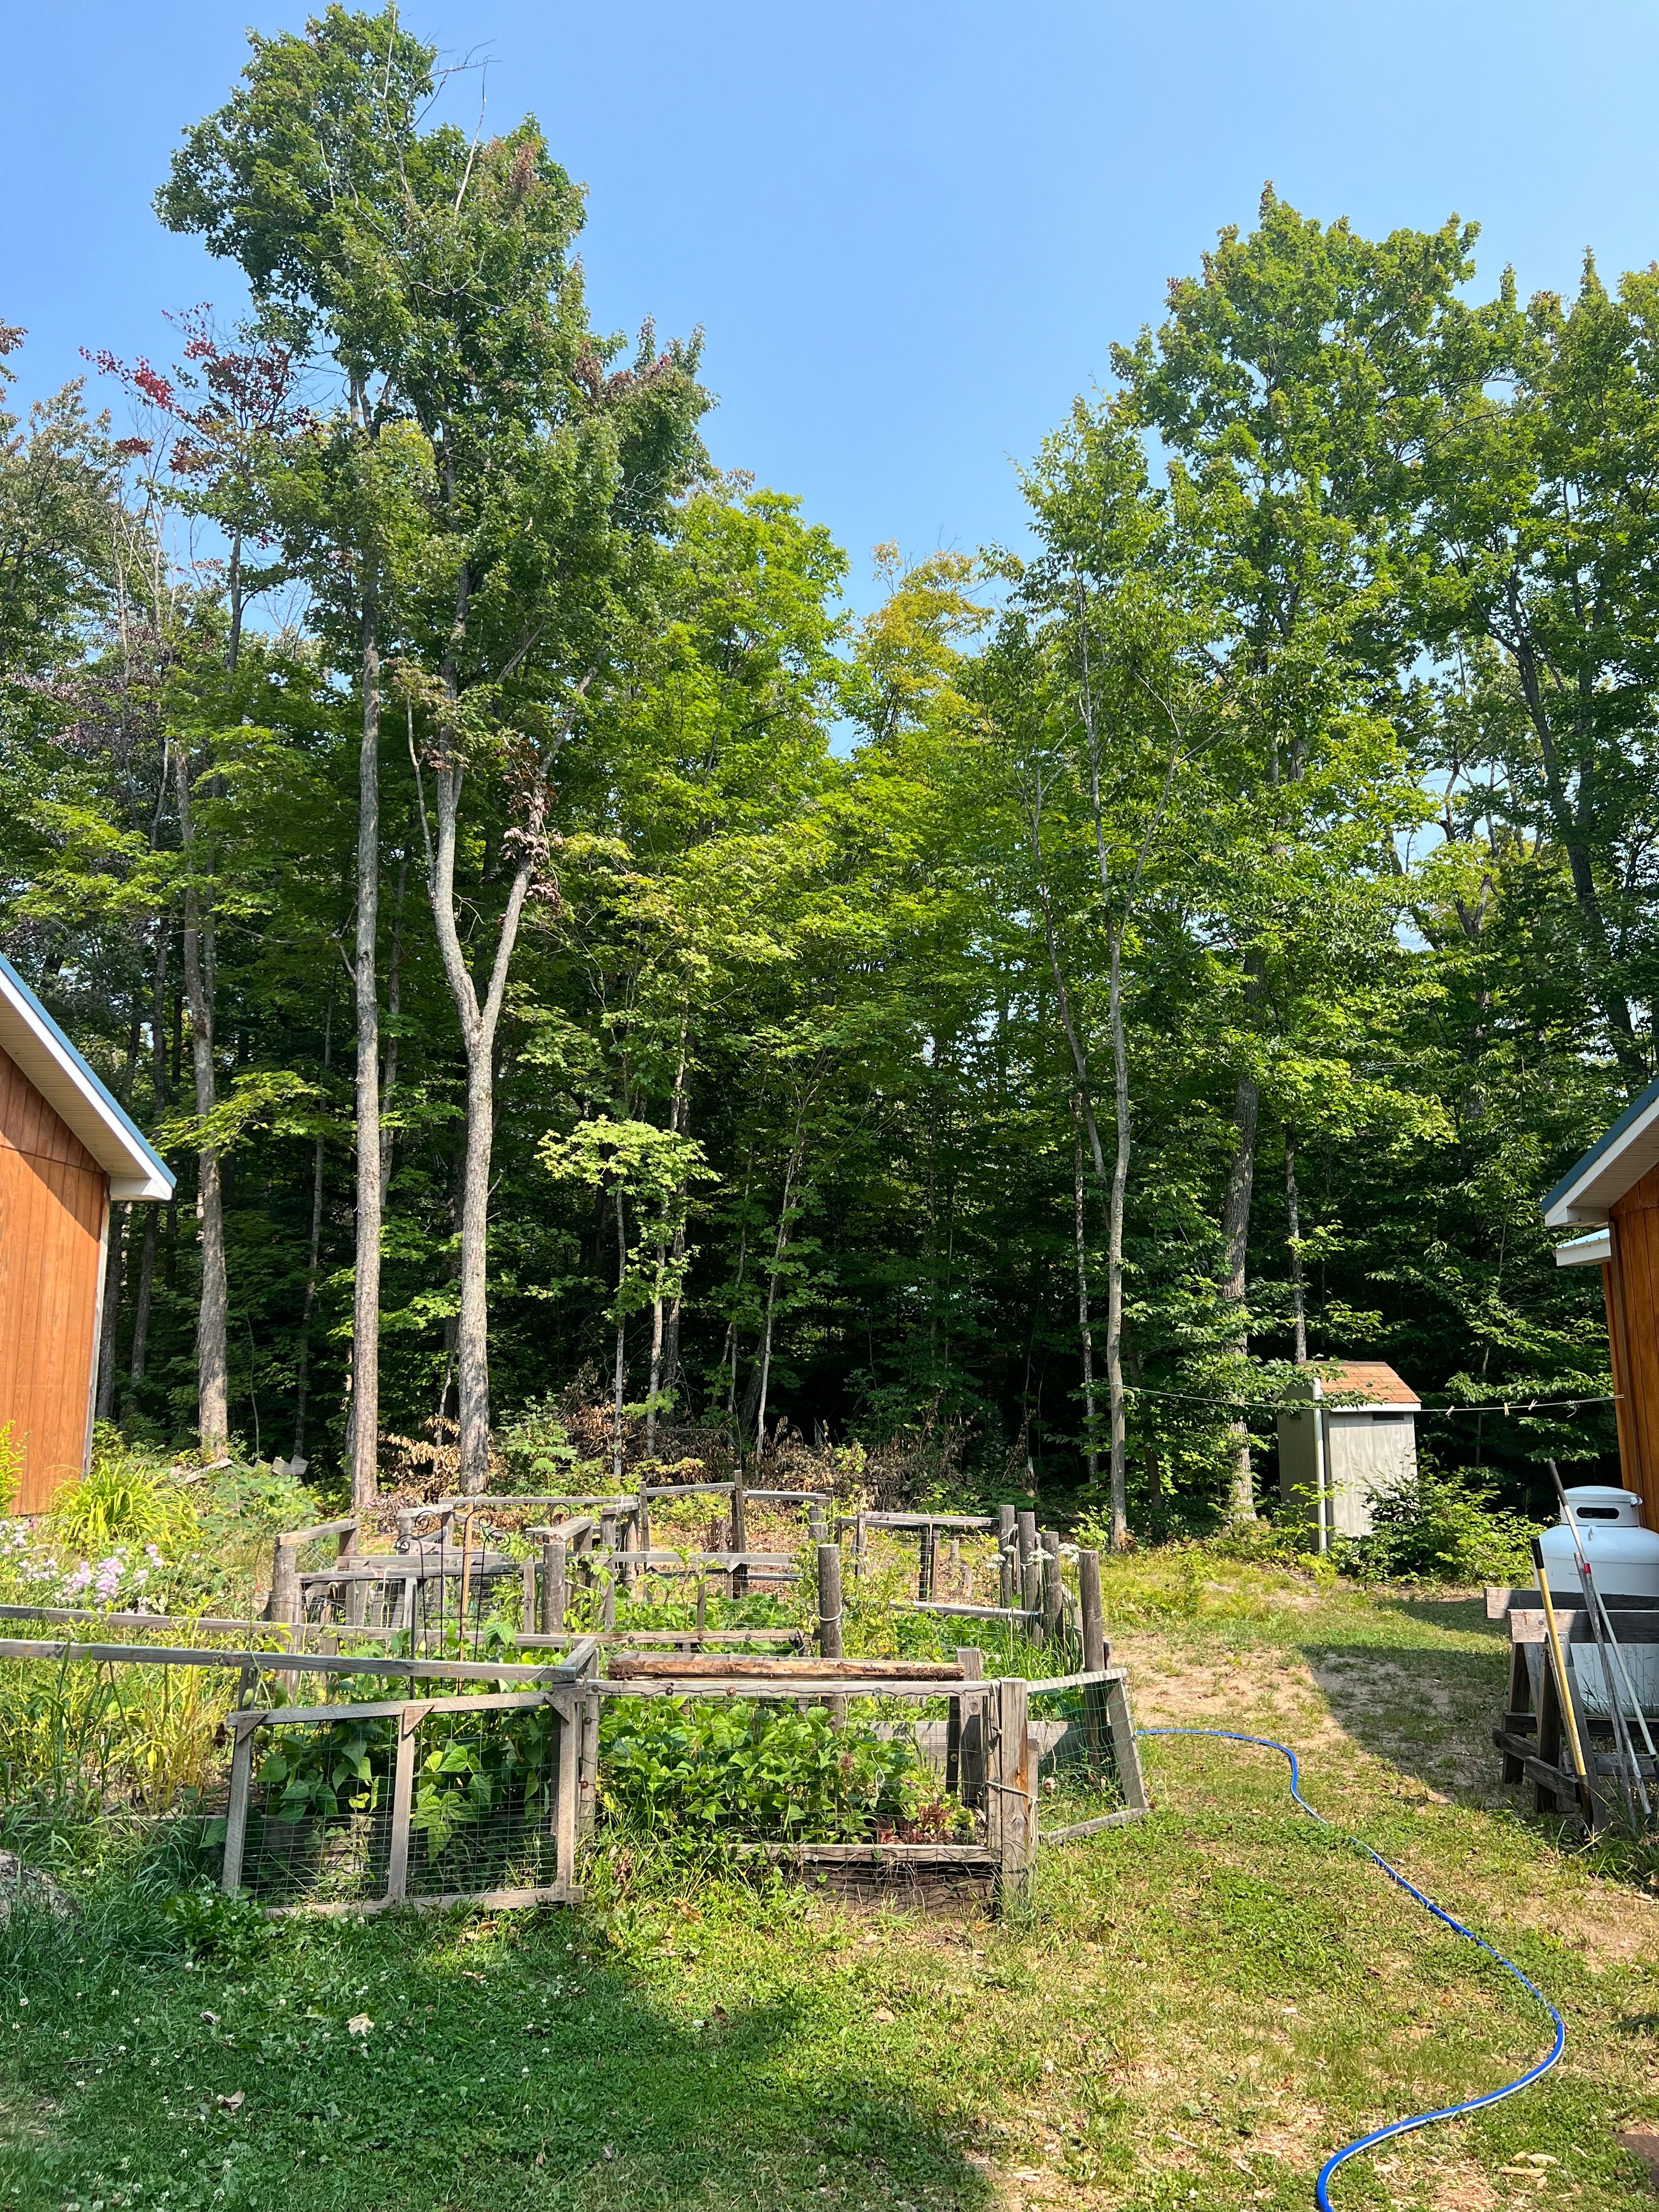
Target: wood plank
(719,1665)
(402,1793)
(52,1208)
(964,1855)
(1074,1828)
(819,1685)
(497,1900)
(276,1663)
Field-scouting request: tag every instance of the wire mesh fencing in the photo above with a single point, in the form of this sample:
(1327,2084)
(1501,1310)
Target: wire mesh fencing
(1085,1767)
(351,1808)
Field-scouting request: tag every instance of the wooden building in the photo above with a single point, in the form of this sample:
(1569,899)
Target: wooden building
(1355,1441)
(1614,1192)
(67,1148)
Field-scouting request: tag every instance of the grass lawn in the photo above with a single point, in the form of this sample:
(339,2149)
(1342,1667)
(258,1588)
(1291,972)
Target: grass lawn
(1196,2010)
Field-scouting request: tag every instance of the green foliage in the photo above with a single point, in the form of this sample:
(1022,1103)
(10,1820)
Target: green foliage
(230,1933)
(1444,1528)
(757,1770)
(122,1499)
(535,1448)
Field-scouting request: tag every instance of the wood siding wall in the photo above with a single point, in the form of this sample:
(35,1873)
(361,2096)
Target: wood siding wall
(1631,1280)
(54,1199)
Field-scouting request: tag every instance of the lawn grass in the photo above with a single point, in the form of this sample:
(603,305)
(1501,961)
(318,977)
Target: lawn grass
(1195,2010)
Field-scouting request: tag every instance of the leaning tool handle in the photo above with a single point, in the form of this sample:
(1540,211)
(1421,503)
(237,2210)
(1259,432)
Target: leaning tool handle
(1569,1713)
(1609,1654)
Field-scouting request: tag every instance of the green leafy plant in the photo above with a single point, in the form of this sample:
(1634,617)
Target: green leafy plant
(122,1499)
(1442,1528)
(755,1769)
(11,1469)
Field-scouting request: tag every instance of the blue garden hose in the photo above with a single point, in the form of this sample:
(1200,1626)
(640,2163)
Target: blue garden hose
(1322,2187)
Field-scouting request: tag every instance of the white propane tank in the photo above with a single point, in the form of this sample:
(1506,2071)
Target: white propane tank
(1624,1559)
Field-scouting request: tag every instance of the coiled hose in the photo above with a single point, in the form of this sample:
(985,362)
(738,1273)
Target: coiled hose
(1322,2187)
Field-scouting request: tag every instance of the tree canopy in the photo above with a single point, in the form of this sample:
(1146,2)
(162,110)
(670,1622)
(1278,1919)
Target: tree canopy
(562,952)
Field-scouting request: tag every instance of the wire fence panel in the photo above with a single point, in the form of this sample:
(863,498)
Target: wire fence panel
(419,1800)
(1085,1766)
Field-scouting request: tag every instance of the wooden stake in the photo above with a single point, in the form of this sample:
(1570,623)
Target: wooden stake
(1095,1649)
(1006,1584)
(1054,1595)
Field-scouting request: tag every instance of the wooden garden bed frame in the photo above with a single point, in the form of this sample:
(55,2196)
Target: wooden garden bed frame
(570,1796)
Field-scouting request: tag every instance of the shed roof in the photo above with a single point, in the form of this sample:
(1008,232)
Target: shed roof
(1613,1164)
(1371,1381)
(29,1036)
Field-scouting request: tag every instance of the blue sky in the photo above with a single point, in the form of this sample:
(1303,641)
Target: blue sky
(911,231)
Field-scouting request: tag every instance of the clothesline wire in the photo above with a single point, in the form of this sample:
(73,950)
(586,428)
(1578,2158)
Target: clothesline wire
(1506,1407)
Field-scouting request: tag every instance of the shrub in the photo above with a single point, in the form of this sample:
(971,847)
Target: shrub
(536,1449)
(11,1469)
(1442,1528)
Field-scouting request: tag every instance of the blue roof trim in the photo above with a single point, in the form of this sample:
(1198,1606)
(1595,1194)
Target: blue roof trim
(93,1077)
(1632,1113)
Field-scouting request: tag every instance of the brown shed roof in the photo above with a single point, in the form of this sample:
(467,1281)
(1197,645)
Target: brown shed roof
(1372,1380)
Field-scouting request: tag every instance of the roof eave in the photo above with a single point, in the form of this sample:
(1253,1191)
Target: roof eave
(34,1040)
(1610,1167)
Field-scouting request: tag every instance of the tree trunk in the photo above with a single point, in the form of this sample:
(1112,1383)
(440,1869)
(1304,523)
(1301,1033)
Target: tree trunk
(394,1007)
(365,1421)
(1115,1251)
(780,1246)
(1085,1334)
(212,1367)
(665,1329)
(1235,1242)
(1298,1299)
(141,1301)
(621,1377)
(302,1365)
(114,1269)
(478,1023)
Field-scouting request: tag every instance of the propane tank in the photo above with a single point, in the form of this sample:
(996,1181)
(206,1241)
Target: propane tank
(1624,1558)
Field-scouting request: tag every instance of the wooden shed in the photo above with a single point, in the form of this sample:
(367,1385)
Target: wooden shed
(67,1148)
(1614,1192)
(1355,1443)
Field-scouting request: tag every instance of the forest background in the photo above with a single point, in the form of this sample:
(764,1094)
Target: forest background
(1006,1031)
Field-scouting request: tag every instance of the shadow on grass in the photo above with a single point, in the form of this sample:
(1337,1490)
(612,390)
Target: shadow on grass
(509,2063)
(1428,1711)
(1466,1615)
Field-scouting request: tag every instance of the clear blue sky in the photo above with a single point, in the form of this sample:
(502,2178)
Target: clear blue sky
(911,231)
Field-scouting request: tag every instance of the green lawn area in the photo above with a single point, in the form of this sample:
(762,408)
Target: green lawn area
(1196,2009)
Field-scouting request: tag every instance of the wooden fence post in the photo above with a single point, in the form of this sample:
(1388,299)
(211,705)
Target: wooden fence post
(556,1587)
(1095,1646)
(1005,1583)
(1124,1747)
(738,1586)
(642,1519)
(1030,1572)
(964,1741)
(241,1789)
(403,1795)
(829,1610)
(569,1703)
(1054,1594)
(929,1538)
(1008,1786)
(829,1642)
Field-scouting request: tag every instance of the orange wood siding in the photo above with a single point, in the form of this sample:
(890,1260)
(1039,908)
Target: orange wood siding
(1632,1280)
(54,1198)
